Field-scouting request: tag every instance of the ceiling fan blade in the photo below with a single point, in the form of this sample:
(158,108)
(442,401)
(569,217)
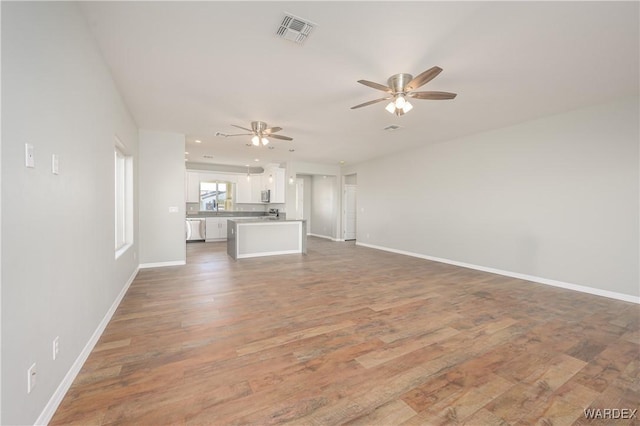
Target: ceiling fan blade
(243,128)
(432,95)
(423,78)
(241,134)
(284,138)
(371,102)
(375,85)
(272,130)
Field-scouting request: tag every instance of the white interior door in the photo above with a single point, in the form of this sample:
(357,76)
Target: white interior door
(349,212)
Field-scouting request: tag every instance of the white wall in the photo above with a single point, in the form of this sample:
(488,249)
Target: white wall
(324,206)
(162,174)
(306,202)
(59,273)
(321,217)
(555,198)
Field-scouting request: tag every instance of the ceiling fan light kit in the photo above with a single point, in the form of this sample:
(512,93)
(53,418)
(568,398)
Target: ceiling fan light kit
(401,86)
(399,106)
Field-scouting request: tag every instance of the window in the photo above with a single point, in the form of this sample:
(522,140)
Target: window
(123,200)
(216,196)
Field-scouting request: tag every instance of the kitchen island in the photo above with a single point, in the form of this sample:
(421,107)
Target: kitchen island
(265,237)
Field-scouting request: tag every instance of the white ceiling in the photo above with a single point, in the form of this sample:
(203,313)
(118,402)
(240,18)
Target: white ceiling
(198,67)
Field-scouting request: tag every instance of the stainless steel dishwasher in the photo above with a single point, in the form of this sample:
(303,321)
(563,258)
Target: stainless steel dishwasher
(195,229)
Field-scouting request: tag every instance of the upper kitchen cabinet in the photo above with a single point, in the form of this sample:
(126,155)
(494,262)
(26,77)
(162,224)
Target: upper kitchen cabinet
(275,184)
(243,191)
(248,190)
(239,189)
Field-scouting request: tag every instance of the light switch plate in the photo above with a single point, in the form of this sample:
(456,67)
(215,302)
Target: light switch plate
(173,209)
(54,164)
(29,159)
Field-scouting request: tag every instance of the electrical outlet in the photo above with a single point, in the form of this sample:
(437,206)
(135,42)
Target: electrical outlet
(31,378)
(56,347)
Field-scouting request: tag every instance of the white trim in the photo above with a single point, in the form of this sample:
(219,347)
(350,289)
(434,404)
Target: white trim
(122,250)
(49,410)
(321,236)
(161,264)
(554,283)
(268,253)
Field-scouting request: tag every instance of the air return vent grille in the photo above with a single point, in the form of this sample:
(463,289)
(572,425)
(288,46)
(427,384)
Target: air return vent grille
(294,29)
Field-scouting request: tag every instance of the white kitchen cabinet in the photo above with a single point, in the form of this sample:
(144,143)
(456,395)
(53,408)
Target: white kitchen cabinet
(216,228)
(192,192)
(248,191)
(244,193)
(274,181)
(277,194)
(257,186)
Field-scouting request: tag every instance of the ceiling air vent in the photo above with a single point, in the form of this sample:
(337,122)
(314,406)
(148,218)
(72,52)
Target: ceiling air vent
(391,128)
(294,29)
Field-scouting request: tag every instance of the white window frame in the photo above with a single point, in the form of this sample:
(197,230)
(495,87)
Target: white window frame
(123,202)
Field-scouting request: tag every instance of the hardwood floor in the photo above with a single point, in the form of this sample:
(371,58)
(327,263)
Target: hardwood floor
(351,335)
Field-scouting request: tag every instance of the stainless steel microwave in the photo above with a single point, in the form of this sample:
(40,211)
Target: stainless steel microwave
(265,196)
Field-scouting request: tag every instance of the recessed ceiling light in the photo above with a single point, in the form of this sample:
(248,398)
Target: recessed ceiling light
(198,141)
(186,153)
(256,160)
(246,165)
(186,159)
(341,161)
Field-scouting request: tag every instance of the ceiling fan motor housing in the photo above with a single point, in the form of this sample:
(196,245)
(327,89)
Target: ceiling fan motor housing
(258,126)
(398,82)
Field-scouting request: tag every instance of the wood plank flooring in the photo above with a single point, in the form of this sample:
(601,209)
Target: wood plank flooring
(351,335)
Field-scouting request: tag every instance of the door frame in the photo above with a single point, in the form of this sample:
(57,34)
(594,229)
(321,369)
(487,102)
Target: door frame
(344,212)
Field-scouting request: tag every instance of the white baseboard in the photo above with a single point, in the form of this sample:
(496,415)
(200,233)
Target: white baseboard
(55,400)
(161,264)
(554,283)
(269,253)
(326,237)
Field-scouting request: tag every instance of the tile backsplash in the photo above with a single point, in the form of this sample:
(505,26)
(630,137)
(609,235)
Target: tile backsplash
(193,208)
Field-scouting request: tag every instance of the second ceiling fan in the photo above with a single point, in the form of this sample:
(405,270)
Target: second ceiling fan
(401,86)
(260,132)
